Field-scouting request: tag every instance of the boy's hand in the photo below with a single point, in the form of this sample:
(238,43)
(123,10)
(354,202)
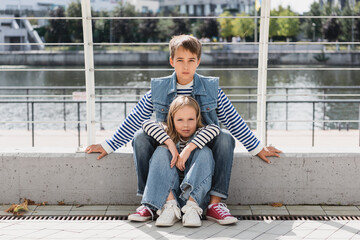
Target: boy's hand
(184,155)
(268,152)
(173,150)
(96,148)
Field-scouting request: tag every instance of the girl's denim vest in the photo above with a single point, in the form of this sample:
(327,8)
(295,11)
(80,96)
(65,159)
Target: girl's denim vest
(205,91)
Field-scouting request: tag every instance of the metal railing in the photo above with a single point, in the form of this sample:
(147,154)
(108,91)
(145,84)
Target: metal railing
(262,68)
(25,97)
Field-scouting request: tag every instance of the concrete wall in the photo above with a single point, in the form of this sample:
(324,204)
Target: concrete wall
(295,178)
(213,58)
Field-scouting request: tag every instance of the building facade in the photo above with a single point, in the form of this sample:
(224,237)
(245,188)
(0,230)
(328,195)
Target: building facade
(207,7)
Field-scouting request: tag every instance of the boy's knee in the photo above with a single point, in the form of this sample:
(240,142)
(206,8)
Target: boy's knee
(225,139)
(141,139)
(205,156)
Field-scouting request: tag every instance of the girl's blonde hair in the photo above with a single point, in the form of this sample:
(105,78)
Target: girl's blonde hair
(175,106)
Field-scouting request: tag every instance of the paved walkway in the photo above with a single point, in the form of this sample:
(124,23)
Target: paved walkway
(123,229)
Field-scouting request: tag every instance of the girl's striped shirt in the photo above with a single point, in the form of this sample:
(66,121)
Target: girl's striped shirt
(226,113)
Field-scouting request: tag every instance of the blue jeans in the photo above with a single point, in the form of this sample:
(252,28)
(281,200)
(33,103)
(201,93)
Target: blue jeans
(162,179)
(222,148)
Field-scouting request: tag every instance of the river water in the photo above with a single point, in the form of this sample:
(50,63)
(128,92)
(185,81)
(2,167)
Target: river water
(302,79)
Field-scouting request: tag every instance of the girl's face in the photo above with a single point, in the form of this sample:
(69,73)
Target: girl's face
(185,122)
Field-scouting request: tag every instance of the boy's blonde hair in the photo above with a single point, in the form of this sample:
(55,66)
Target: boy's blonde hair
(188,42)
(175,106)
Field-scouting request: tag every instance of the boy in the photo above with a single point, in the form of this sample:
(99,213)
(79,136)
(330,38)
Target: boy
(185,52)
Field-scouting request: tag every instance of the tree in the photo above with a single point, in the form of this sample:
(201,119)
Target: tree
(346,24)
(75,26)
(147,30)
(125,30)
(57,31)
(163,27)
(273,26)
(101,28)
(312,27)
(243,27)
(207,28)
(226,28)
(331,29)
(288,27)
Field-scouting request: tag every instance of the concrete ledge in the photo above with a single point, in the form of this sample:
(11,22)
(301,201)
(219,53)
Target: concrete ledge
(78,178)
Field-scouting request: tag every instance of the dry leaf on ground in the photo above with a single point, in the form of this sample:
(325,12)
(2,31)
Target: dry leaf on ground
(61,203)
(277,204)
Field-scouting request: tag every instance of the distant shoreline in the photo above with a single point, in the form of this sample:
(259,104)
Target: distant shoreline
(158,58)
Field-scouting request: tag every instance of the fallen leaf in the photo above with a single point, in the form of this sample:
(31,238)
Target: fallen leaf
(29,202)
(61,203)
(11,208)
(277,204)
(44,203)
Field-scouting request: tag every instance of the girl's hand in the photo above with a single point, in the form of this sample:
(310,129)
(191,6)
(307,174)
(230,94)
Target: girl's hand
(173,150)
(184,155)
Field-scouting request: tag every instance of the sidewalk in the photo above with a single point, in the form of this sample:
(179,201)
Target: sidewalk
(123,229)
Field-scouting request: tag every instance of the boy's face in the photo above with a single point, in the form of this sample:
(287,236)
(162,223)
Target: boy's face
(185,64)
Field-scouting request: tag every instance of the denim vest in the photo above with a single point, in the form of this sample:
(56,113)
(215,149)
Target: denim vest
(205,92)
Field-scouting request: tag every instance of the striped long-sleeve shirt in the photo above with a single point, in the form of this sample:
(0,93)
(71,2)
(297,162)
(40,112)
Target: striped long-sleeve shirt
(226,113)
(202,135)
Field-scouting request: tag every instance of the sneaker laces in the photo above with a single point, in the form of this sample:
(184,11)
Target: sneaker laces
(188,208)
(144,208)
(175,209)
(222,209)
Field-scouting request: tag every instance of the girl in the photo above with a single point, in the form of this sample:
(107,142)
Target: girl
(183,133)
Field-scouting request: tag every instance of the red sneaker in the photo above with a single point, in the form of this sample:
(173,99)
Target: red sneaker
(220,213)
(142,214)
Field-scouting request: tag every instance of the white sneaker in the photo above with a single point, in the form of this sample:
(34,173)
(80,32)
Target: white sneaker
(192,214)
(168,215)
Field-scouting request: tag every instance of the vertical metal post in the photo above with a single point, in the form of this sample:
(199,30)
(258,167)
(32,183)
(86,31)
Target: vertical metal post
(64,92)
(262,72)
(78,118)
(101,123)
(32,125)
(27,109)
(89,70)
(359,125)
(287,109)
(313,125)
(324,115)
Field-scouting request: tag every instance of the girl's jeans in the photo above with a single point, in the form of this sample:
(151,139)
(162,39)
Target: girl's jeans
(221,146)
(162,179)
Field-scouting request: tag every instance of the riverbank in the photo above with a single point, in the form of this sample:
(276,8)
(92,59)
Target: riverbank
(161,58)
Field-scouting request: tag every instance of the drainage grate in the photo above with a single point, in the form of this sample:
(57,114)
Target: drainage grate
(64,218)
(114,218)
(294,218)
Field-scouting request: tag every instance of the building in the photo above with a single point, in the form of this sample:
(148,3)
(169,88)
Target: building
(207,7)
(340,3)
(40,8)
(12,31)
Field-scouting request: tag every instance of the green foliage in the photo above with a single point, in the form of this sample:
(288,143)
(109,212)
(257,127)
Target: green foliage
(125,30)
(57,31)
(313,24)
(273,25)
(243,27)
(346,24)
(207,28)
(288,27)
(163,27)
(147,29)
(75,26)
(226,28)
(101,28)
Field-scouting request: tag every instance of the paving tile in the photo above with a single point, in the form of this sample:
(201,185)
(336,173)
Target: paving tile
(239,207)
(263,212)
(130,208)
(343,213)
(340,208)
(322,234)
(90,208)
(54,208)
(117,213)
(306,210)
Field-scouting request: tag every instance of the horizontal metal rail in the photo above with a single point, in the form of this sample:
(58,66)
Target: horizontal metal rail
(173,17)
(170,69)
(166,44)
